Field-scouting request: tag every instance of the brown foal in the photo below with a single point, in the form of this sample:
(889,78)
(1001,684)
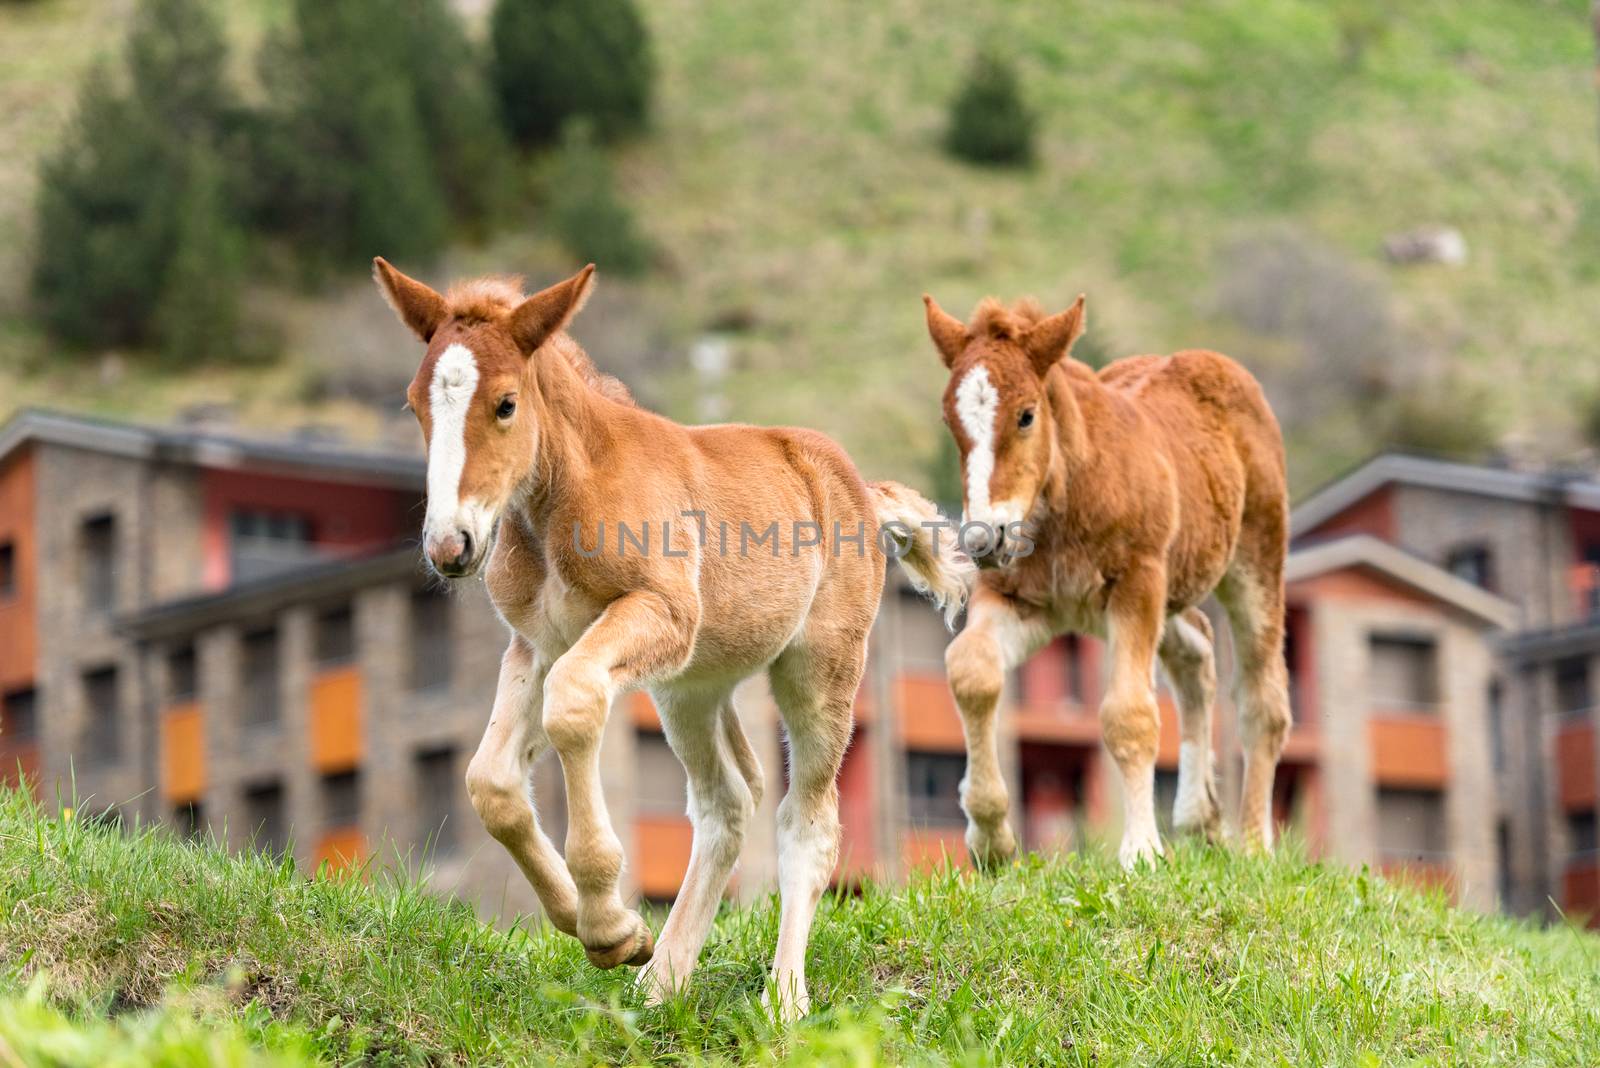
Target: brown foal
(1139,491)
(747,550)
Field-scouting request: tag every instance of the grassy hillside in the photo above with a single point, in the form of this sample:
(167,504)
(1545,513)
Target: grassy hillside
(794,184)
(121,943)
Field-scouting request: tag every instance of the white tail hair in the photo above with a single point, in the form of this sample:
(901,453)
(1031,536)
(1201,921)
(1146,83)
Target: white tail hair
(930,551)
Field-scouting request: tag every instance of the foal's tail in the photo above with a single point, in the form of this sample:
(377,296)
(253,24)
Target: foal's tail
(928,547)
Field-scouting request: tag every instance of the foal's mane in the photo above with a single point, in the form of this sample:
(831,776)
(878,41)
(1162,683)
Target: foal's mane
(493,297)
(995,320)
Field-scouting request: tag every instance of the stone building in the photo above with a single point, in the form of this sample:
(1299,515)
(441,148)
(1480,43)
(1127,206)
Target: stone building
(1532,538)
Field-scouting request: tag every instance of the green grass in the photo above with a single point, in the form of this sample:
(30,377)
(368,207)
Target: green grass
(139,941)
(794,183)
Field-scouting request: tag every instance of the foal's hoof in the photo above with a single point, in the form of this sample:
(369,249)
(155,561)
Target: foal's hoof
(636,949)
(991,852)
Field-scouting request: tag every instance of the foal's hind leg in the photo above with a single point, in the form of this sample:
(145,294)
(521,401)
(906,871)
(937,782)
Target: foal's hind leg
(1186,653)
(815,689)
(721,803)
(1253,596)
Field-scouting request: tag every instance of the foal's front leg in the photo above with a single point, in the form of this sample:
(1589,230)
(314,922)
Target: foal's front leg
(1129,719)
(497,782)
(999,635)
(635,638)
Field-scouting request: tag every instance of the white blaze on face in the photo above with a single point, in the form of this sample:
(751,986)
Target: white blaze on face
(977,403)
(455,380)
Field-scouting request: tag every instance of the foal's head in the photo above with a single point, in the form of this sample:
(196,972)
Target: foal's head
(997,408)
(472,397)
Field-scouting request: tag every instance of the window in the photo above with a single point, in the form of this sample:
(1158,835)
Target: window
(101,741)
(1404,673)
(662,785)
(1411,825)
(933,782)
(1582,836)
(259,677)
(1072,667)
(341,799)
(336,637)
(438,787)
(1166,795)
(1472,563)
(268,543)
(19,718)
(1572,685)
(1497,726)
(264,816)
(98,543)
(8,569)
(188,820)
(1502,842)
(431,633)
(182,677)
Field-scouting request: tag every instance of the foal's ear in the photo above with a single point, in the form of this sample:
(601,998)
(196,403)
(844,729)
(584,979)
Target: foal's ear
(1052,338)
(949,333)
(418,307)
(550,310)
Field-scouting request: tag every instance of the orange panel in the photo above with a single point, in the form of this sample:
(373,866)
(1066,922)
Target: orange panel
(183,753)
(19,651)
(336,720)
(1057,724)
(930,848)
(661,854)
(1372,514)
(1409,750)
(1424,875)
(1356,584)
(19,763)
(1580,891)
(642,711)
(1575,770)
(342,849)
(1171,735)
(928,717)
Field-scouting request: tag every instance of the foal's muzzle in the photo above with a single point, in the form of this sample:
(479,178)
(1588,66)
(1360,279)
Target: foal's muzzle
(454,555)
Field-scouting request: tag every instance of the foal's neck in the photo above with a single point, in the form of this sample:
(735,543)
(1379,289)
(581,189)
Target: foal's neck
(573,437)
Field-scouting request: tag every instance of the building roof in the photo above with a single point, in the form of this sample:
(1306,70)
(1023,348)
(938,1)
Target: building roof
(319,580)
(203,448)
(1564,487)
(1375,554)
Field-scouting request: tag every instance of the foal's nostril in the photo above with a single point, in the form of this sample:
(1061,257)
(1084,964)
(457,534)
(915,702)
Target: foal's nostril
(466,546)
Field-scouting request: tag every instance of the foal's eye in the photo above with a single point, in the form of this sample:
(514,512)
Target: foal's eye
(1025,419)
(508,408)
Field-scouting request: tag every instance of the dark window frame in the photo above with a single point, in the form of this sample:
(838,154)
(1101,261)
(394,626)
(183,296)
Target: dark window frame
(8,570)
(269,829)
(932,787)
(340,796)
(27,699)
(1476,557)
(183,674)
(262,689)
(430,622)
(101,741)
(334,631)
(435,769)
(99,537)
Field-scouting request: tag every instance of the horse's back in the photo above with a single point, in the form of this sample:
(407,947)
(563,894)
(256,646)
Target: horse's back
(1226,451)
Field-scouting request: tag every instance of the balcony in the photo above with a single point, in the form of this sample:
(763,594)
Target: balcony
(183,753)
(1575,764)
(1580,888)
(336,720)
(661,854)
(1409,749)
